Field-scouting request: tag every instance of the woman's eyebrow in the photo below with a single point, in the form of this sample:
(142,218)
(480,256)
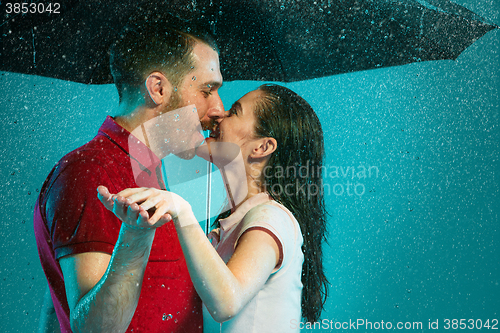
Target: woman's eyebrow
(237,106)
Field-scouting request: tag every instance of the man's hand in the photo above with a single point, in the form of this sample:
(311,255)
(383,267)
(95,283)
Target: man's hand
(145,207)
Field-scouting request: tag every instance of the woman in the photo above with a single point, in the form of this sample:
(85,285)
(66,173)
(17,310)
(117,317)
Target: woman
(266,271)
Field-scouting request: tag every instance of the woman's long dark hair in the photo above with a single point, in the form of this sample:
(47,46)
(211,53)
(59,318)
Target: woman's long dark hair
(297,164)
(288,118)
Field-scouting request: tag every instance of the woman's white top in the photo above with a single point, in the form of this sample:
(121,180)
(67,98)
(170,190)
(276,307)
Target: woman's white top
(277,306)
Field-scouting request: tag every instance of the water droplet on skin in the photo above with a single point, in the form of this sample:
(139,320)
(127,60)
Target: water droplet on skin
(197,171)
(193,78)
(166,316)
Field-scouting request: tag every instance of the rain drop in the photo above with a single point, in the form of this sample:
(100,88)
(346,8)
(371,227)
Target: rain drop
(193,78)
(166,316)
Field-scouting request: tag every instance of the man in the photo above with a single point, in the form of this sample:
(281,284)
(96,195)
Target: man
(95,265)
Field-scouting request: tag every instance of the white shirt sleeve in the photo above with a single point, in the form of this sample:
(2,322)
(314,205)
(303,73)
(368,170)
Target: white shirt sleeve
(278,223)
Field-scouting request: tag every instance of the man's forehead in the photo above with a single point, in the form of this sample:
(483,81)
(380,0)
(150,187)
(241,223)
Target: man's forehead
(205,53)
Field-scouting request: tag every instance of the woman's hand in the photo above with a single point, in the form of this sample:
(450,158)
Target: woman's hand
(145,207)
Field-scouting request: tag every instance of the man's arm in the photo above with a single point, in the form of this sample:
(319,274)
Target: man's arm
(103,290)
(48,318)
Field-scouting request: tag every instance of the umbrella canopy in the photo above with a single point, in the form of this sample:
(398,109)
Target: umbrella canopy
(273,40)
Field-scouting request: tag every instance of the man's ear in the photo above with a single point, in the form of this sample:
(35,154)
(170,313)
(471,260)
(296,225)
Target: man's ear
(158,87)
(265,147)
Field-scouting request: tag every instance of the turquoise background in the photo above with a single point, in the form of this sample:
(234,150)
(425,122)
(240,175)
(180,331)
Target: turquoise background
(420,243)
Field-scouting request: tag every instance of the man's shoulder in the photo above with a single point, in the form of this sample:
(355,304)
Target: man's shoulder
(99,158)
(99,151)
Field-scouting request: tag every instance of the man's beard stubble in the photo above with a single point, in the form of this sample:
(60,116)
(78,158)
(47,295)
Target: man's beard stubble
(176,101)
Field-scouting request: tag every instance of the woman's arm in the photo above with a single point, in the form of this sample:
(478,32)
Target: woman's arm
(225,289)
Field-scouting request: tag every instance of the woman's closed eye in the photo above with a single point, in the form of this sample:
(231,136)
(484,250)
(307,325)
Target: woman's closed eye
(232,111)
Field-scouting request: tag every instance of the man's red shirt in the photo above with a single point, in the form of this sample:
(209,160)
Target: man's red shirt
(69,219)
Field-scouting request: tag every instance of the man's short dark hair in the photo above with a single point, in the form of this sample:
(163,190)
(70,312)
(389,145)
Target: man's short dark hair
(163,44)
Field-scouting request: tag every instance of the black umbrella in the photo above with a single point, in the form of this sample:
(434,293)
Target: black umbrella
(273,40)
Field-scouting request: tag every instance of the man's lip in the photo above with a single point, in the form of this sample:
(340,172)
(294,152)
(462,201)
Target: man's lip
(214,134)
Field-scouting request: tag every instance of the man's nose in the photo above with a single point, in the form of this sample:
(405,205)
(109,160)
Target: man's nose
(216,111)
